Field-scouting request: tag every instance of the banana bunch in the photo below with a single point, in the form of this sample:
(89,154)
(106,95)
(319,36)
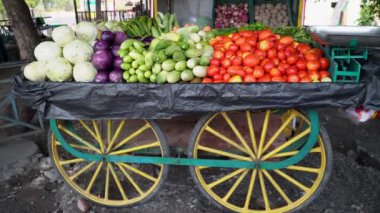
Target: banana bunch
(145,26)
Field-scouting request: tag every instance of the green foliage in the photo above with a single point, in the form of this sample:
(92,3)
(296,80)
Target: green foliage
(370,10)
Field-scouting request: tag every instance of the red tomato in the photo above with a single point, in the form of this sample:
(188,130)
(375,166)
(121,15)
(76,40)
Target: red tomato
(233,47)
(248,70)
(272,53)
(281,55)
(214,62)
(206,80)
(219,38)
(225,62)
(247,53)
(228,54)
(276,61)
(293,78)
(218,54)
(252,41)
(314,75)
(268,66)
(278,79)
(272,38)
(317,51)
(246,47)
(264,34)
(246,33)
(311,56)
(324,74)
(281,46)
(249,78)
(265,45)
(235,37)
(324,63)
(302,73)
(260,53)
(265,78)
(289,50)
(275,72)
(226,77)
(287,40)
(313,65)
(264,61)
(292,59)
(239,53)
(217,77)
(258,72)
(237,61)
(234,70)
(251,61)
(222,70)
(212,70)
(303,48)
(240,41)
(292,70)
(306,79)
(301,65)
(227,44)
(281,67)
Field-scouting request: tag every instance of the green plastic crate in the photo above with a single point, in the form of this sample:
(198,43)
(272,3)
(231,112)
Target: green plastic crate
(345,70)
(349,53)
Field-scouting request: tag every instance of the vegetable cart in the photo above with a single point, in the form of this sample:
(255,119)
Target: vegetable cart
(252,150)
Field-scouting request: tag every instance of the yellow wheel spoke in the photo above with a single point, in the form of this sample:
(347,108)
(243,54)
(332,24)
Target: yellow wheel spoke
(98,135)
(116,135)
(107,184)
(238,134)
(133,182)
(304,169)
(109,130)
(79,139)
(76,160)
(277,187)
(226,154)
(137,148)
(133,135)
(225,178)
(82,170)
(263,133)
(264,191)
(250,189)
(226,139)
(292,180)
(89,187)
(75,146)
(251,131)
(89,130)
(292,153)
(278,132)
(236,184)
(286,144)
(139,172)
(119,186)
(202,167)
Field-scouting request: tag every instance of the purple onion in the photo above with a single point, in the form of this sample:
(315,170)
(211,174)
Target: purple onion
(114,50)
(117,61)
(101,45)
(108,37)
(116,76)
(147,40)
(101,77)
(102,60)
(120,37)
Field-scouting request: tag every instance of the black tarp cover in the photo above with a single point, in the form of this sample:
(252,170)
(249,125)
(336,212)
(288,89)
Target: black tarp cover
(151,101)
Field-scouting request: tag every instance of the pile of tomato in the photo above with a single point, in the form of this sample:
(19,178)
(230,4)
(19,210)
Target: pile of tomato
(262,56)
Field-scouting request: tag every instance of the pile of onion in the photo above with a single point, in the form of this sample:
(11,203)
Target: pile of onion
(231,15)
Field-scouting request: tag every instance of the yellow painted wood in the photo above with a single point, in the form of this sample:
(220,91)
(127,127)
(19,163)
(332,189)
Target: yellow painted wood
(107,184)
(82,170)
(223,153)
(263,134)
(133,135)
(305,169)
(119,186)
(277,187)
(251,131)
(292,153)
(76,160)
(131,180)
(98,135)
(225,139)
(225,178)
(236,184)
(79,139)
(250,189)
(96,174)
(139,172)
(137,148)
(116,135)
(264,191)
(292,180)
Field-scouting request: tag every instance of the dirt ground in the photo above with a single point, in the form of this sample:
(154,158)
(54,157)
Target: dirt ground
(31,185)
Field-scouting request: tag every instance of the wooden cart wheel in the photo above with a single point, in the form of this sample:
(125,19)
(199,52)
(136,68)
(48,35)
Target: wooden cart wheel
(270,136)
(111,184)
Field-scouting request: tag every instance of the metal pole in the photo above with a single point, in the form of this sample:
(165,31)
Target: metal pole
(76,11)
(89,9)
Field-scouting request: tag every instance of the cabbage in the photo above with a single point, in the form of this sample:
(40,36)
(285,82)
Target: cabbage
(47,50)
(86,31)
(84,72)
(63,35)
(78,51)
(59,69)
(35,71)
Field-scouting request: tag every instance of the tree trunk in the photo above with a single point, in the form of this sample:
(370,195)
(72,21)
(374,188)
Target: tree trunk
(23,27)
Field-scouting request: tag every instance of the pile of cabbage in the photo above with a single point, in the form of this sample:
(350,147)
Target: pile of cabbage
(67,58)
